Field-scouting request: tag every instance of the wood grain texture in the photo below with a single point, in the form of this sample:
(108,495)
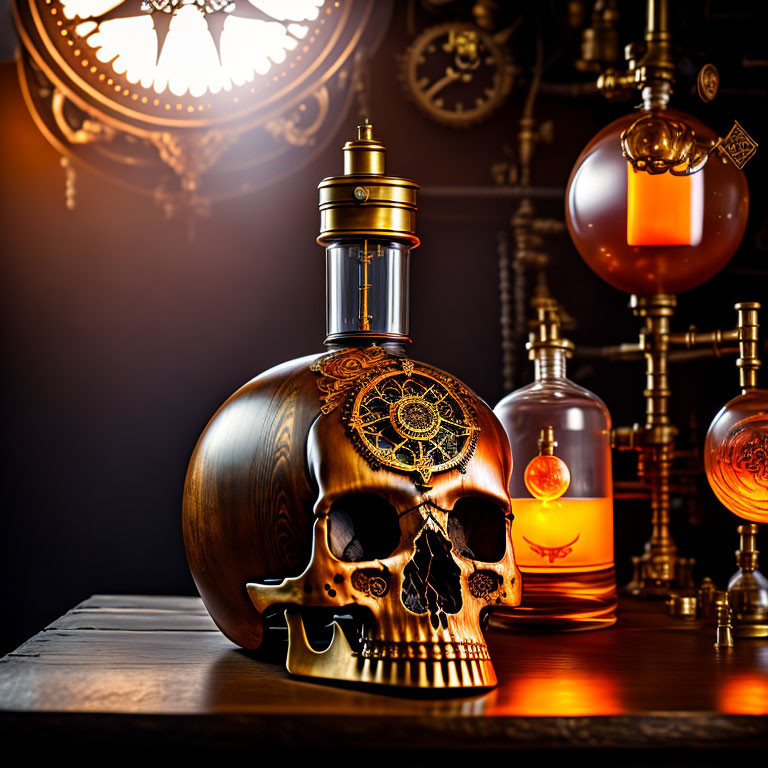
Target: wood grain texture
(649,682)
(248,497)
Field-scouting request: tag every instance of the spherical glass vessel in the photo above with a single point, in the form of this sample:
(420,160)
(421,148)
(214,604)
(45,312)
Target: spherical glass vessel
(736,455)
(655,232)
(563,527)
(547,477)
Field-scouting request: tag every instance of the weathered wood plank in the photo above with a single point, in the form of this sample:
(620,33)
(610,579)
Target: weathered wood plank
(135,620)
(647,681)
(142,602)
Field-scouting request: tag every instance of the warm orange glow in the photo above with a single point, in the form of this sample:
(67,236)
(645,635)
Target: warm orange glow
(664,209)
(547,477)
(562,694)
(745,694)
(573,535)
(188,60)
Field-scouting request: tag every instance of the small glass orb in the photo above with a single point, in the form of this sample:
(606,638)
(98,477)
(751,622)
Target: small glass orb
(736,455)
(547,477)
(654,233)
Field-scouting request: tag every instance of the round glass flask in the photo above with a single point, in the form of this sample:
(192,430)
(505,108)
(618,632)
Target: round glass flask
(648,230)
(736,455)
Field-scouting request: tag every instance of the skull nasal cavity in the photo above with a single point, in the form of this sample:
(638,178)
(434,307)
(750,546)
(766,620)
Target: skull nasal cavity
(477,529)
(362,526)
(432,579)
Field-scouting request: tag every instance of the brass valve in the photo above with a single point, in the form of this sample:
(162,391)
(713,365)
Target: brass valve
(650,65)
(546,333)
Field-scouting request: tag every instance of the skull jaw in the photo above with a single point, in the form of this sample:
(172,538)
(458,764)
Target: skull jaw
(340,662)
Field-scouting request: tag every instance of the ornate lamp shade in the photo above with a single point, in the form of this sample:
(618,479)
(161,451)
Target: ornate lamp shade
(654,206)
(225,93)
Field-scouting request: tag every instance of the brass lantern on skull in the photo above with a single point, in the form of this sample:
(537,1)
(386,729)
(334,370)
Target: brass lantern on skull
(357,500)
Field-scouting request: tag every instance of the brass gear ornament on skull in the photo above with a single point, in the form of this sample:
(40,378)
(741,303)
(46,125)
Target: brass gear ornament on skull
(405,417)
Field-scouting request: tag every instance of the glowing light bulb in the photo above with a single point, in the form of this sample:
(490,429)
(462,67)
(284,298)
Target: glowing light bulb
(547,477)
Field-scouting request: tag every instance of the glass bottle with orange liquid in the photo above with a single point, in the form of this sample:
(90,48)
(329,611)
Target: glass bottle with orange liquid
(562,493)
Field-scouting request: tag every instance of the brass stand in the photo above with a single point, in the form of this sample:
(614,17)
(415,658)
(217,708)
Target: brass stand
(660,569)
(655,441)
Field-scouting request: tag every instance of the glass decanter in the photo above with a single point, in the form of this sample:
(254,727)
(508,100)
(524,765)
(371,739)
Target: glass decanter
(562,492)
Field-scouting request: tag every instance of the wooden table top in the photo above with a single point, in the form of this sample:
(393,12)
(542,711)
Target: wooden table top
(158,667)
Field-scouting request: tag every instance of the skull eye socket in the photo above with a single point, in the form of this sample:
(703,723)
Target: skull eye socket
(362,526)
(477,529)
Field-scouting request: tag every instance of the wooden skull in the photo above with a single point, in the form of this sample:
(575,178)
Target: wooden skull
(410,532)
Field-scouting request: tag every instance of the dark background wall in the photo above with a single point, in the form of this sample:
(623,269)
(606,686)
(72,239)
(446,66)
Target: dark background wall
(121,334)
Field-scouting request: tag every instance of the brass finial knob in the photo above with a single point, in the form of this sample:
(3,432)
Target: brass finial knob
(364,155)
(365,131)
(724,636)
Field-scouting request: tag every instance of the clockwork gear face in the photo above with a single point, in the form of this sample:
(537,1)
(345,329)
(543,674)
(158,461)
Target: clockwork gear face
(413,422)
(457,74)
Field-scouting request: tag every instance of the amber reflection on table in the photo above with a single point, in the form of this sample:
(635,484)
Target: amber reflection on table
(569,693)
(745,693)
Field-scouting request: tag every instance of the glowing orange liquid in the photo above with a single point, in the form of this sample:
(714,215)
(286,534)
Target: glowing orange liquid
(564,550)
(664,209)
(566,535)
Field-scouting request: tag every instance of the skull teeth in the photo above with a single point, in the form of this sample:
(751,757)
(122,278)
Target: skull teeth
(412,664)
(382,649)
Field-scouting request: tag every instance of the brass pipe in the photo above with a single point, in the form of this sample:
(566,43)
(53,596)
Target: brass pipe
(695,338)
(655,441)
(748,361)
(662,547)
(650,66)
(658,21)
(654,338)
(632,352)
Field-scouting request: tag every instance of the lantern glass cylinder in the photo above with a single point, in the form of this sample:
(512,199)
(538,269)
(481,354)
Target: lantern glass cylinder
(367,290)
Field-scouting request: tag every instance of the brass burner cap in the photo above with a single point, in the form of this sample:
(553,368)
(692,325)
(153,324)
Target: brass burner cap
(365,202)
